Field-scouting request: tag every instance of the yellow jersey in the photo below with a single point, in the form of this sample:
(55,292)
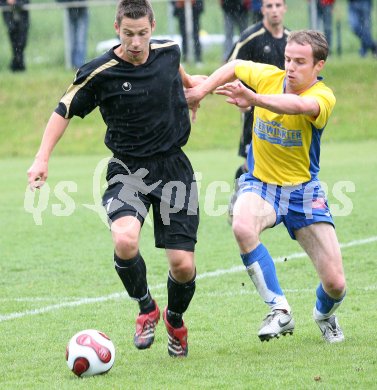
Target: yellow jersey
(285,148)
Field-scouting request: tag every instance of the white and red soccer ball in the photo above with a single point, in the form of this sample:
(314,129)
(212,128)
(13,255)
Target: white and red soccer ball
(90,352)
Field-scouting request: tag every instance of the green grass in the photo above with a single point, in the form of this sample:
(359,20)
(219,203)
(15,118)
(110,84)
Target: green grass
(48,270)
(27,100)
(24,115)
(67,259)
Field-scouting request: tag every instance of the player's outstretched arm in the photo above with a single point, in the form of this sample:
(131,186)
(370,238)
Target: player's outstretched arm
(38,172)
(220,76)
(237,94)
(290,104)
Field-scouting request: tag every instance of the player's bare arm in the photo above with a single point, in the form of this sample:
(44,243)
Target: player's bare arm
(218,77)
(38,172)
(290,104)
(190,81)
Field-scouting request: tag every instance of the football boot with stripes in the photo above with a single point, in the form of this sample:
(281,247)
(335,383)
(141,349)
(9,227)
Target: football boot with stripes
(145,328)
(177,338)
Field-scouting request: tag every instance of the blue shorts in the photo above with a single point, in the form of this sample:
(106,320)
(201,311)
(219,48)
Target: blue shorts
(296,206)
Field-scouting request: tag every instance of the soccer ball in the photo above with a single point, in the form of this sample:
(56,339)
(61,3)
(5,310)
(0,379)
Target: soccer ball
(90,352)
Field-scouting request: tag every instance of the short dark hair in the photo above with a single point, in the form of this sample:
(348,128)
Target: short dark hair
(315,39)
(285,2)
(134,9)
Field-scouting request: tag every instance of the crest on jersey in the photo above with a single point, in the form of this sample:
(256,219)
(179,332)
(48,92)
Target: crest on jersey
(126,86)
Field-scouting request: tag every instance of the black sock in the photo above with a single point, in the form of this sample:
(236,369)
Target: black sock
(174,319)
(179,298)
(147,304)
(240,171)
(133,274)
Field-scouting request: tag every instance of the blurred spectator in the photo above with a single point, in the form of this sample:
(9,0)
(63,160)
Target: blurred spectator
(324,18)
(17,22)
(78,20)
(236,13)
(179,13)
(359,13)
(256,11)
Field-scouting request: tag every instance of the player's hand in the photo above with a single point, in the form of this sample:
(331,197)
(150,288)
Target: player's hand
(237,94)
(193,99)
(37,174)
(196,80)
(194,111)
(243,109)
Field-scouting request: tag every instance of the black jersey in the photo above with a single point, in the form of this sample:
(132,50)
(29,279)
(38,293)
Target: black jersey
(257,44)
(143,107)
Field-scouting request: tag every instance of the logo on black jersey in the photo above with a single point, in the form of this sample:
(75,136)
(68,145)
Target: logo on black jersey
(267,49)
(126,86)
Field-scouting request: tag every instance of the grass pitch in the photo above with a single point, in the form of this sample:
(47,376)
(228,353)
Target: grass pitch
(57,278)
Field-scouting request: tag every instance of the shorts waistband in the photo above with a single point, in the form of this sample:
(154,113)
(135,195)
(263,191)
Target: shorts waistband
(154,157)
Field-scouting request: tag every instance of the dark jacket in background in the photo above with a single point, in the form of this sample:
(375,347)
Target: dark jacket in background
(17,22)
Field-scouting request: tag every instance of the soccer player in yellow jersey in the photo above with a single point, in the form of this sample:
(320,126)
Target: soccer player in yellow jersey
(292,108)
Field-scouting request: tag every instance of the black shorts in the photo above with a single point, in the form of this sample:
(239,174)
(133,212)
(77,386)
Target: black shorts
(246,135)
(166,182)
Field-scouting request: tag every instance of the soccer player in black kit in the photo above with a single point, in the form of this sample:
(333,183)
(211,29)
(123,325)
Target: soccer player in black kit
(138,87)
(262,42)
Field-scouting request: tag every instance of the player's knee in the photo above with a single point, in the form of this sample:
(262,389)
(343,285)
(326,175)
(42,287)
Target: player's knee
(182,271)
(335,287)
(126,246)
(244,232)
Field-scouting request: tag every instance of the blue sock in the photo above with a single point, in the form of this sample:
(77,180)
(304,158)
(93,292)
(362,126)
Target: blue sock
(325,304)
(261,256)
(255,255)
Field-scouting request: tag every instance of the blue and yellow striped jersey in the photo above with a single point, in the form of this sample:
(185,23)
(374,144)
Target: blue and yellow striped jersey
(285,148)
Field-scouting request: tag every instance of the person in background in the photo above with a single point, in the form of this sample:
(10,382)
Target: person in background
(78,22)
(325,10)
(17,22)
(138,87)
(359,15)
(292,108)
(256,11)
(262,42)
(236,13)
(179,13)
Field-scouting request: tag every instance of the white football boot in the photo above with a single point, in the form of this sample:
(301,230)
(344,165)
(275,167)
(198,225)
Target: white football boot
(331,331)
(278,322)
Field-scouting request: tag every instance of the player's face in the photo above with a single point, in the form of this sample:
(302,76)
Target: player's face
(273,12)
(134,35)
(301,72)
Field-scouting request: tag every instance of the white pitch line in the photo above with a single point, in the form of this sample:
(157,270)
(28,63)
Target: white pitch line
(253,291)
(219,272)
